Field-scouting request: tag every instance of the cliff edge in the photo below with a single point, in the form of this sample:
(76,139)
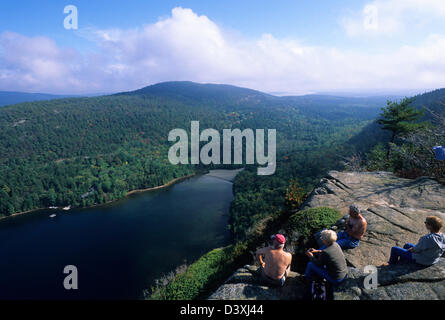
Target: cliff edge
(395,209)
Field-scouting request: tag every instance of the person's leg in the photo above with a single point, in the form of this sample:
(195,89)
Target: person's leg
(341,235)
(345,241)
(283,279)
(265,280)
(310,271)
(353,243)
(395,254)
(401,254)
(313,271)
(407,255)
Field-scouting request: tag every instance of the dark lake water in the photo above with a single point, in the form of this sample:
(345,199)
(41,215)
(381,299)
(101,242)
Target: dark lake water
(118,249)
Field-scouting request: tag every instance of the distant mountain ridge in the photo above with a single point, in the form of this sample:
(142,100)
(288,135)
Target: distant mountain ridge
(219,94)
(14,97)
(223,94)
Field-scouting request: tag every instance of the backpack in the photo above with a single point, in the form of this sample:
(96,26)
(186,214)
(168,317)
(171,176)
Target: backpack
(318,290)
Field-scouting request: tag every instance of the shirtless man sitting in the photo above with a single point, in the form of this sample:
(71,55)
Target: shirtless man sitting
(355,229)
(275,262)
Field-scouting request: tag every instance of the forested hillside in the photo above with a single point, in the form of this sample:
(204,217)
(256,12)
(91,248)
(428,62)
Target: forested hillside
(85,151)
(434,100)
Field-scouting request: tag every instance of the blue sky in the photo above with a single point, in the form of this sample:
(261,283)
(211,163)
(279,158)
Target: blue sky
(252,18)
(275,46)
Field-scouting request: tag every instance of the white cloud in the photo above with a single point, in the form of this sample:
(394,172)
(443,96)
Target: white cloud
(31,62)
(186,46)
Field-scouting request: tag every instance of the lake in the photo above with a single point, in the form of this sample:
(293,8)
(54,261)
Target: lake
(119,249)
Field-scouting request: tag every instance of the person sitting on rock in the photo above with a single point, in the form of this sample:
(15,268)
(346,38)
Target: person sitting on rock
(355,230)
(329,263)
(427,251)
(274,261)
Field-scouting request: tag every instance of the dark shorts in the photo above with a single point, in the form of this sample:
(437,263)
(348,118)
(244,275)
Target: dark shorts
(270,281)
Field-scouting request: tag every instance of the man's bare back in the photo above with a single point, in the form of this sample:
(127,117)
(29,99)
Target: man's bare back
(276,262)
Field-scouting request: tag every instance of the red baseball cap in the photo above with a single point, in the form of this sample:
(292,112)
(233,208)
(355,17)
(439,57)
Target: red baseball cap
(279,238)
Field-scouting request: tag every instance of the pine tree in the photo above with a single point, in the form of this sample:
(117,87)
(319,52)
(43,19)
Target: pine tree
(400,118)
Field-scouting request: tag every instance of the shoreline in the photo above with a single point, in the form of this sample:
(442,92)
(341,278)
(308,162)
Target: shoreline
(129,193)
(161,186)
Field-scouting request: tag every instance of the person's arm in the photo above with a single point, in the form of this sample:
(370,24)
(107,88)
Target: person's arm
(320,259)
(286,273)
(310,252)
(259,255)
(420,246)
(288,267)
(347,225)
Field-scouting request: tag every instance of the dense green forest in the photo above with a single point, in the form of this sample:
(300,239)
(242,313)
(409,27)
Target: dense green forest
(434,101)
(85,151)
(300,169)
(256,197)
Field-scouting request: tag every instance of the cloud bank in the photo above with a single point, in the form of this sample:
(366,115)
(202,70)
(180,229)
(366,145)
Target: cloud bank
(187,46)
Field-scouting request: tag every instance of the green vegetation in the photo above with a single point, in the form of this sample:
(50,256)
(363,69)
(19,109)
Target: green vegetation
(433,101)
(400,119)
(256,197)
(409,153)
(295,195)
(309,221)
(377,160)
(196,282)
